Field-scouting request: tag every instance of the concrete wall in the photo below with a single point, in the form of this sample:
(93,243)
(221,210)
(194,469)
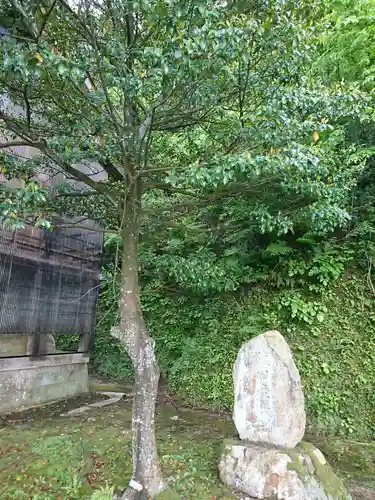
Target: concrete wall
(13,345)
(20,345)
(25,382)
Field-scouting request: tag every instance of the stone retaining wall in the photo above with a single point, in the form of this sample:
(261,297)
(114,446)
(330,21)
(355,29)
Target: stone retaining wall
(25,382)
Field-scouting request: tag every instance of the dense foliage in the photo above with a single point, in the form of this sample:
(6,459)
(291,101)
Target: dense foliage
(331,331)
(250,128)
(220,275)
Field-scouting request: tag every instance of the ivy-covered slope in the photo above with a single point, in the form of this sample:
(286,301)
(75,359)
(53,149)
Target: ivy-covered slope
(277,230)
(336,355)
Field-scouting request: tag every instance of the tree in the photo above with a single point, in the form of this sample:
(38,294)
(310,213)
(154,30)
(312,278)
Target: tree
(347,48)
(198,99)
(346,43)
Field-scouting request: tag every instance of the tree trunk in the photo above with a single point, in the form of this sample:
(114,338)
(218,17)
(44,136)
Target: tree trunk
(147,479)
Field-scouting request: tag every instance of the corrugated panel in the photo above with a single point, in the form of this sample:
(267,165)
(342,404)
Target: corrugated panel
(49,281)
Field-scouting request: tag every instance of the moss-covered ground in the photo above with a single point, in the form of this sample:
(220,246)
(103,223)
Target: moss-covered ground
(46,456)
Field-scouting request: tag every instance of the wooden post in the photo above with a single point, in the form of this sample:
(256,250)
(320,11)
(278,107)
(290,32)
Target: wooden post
(33,346)
(85,316)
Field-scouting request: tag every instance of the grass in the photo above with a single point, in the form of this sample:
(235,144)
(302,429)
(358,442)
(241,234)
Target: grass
(44,456)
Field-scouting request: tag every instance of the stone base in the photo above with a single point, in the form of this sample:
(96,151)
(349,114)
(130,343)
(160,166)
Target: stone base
(25,382)
(300,473)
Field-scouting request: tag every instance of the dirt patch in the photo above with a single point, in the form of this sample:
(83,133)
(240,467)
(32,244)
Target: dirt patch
(361,493)
(48,411)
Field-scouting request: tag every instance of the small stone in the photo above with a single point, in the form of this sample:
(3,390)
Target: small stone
(91,419)
(263,472)
(175,417)
(309,465)
(269,403)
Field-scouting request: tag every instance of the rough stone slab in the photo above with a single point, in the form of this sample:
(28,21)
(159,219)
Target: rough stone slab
(113,397)
(269,403)
(98,386)
(261,472)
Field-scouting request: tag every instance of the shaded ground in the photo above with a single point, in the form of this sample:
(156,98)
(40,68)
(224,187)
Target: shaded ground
(44,456)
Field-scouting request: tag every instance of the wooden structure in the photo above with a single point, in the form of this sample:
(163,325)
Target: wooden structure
(49,283)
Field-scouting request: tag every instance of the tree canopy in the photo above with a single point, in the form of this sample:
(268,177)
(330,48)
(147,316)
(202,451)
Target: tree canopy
(213,133)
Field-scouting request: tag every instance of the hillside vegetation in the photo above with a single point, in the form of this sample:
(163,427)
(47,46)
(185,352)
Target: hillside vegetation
(272,254)
(237,143)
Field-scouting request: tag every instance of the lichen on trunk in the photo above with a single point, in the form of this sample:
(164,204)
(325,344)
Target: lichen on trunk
(146,479)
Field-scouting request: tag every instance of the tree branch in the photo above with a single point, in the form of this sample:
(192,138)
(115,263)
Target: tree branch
(148,171)
(29,22)
(28,140)
(77,174)
(45,19)
(86,228)
(20,142)
(28,107)
(171,189)
(111,170)
(77,194)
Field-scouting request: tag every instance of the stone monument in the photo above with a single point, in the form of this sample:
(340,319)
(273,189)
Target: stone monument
(270,460)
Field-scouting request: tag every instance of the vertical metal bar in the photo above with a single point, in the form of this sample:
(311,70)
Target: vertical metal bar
(5,306)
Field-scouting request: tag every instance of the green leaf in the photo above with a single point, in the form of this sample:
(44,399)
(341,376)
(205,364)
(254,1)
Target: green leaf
(320,317)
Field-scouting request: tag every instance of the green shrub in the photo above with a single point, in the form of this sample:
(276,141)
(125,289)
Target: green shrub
(109,358)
